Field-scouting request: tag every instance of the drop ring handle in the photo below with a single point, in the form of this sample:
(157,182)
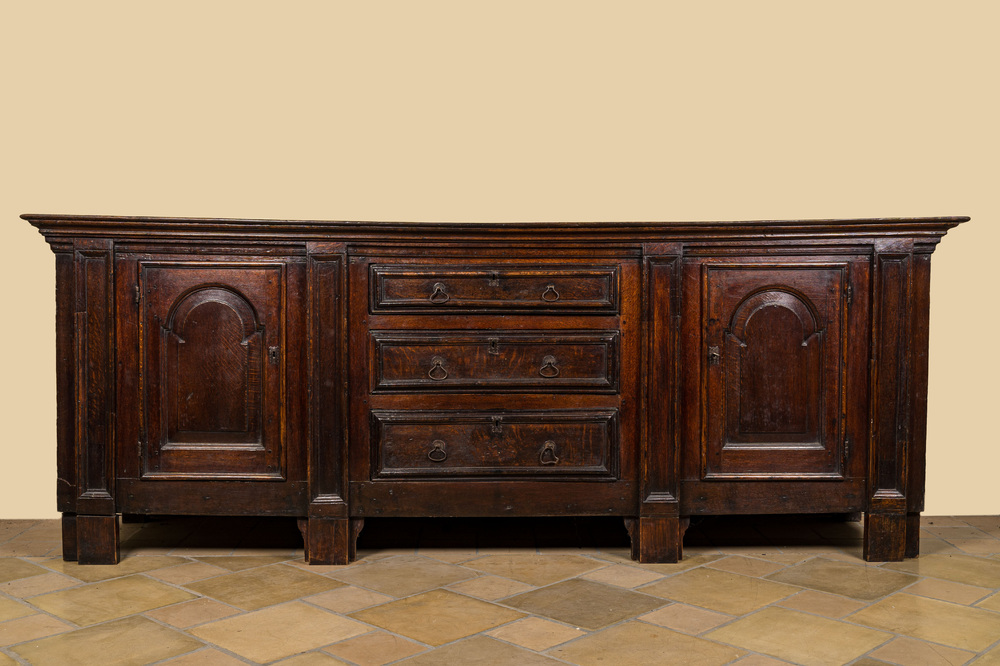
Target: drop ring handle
(550,294)
(548,454)
(437,371)
(549,368)
(437,453)
(439,295)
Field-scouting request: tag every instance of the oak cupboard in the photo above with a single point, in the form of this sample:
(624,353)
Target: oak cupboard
(334,371)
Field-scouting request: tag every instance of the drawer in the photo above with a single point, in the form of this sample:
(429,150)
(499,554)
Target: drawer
(569,443)
(533,361)
(590,289)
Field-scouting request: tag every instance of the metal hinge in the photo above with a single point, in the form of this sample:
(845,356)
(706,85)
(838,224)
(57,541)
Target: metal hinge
(137,297)
(849,293)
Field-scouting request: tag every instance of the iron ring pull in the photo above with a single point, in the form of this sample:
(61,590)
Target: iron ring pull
(439,295)
(550,294)
(437,371)
(437,453)
(548,455)
(549,368)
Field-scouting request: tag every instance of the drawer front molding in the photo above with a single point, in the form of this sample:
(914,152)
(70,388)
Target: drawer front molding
(534,361)
(434,445)
(502,288)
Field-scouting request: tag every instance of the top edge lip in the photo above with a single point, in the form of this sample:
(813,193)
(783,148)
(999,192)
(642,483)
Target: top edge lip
(534,224)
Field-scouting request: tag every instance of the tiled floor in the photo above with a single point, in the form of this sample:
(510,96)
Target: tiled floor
(752,591)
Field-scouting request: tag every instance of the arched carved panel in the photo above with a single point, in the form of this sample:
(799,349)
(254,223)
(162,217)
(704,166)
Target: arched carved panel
(773,374)
(212,370)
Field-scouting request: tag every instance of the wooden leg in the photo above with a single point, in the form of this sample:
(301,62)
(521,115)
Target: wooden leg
(69,537)
(97,539)
(885,537)
(657,539)
(332,540)
(912,534)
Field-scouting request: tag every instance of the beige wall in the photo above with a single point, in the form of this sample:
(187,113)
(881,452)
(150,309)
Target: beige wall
(507,111)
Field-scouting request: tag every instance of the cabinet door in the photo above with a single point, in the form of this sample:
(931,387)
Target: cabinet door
(775,371)
(211,367)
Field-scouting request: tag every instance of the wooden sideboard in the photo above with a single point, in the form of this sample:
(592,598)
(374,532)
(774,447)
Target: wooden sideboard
(335,371)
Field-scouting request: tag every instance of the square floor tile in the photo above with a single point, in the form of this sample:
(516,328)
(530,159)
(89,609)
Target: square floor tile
(437,617)
(720,590)
(187,573)
(92,573)
(534,569)
(10,609)
(347,599)
(190,613)
(746,566)
(126,642)
(535,633)
(243,562)
(311,659)
(623,575)
(479,651)
(450,555)
(800,637)
(849,580)
(990,603)
(991,658)
(958,568)
(490,587)
(402,575)
(977,546)
(686,619)
(204,657)
(948,591)
(31,587)
(821,603)
(375,649)
(31,627)
(932,620)
(641,644)
(585,604)
(911,652)
(252,589)
(950,532)
(280,631)
(988,524)
(18,548)
(109,599)
(689,561)
(12,568)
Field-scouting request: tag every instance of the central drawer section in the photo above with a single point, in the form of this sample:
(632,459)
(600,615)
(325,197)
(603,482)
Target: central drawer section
(538,361)
(503,380)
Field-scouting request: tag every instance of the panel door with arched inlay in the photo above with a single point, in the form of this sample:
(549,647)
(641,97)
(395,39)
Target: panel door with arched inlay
(211,370)
(775,366)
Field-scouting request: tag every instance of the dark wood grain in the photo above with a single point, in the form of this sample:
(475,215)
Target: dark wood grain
(332,371)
